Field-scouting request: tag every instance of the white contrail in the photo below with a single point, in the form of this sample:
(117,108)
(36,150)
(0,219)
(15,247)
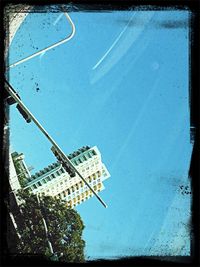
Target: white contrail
(42,55)
(132,34)
(58,18)
(116,40)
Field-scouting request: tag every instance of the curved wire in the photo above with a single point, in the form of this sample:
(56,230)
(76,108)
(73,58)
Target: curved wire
(49,47)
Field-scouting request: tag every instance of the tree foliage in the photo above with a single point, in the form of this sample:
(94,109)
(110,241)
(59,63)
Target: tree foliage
(64,225)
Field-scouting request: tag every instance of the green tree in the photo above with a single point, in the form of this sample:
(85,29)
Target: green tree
(65,228)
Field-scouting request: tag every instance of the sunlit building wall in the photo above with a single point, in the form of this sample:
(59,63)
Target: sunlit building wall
(13,177)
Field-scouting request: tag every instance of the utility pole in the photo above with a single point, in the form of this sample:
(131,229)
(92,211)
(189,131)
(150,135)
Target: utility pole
(45,226)
(12,93)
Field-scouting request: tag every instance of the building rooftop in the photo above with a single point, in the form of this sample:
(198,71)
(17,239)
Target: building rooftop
(52,166)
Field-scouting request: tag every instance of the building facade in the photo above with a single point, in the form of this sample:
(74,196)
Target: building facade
(13,178)
(55,181)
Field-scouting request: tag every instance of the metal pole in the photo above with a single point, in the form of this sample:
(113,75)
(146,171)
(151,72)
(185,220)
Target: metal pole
(15,226)
(45,227)
(12,93)
(14,222)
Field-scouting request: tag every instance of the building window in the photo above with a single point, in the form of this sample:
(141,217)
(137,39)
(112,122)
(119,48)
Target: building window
(75,162)
(34,186)
(89,155)
(84,157)
(43,181)
(48,178)
(94,153)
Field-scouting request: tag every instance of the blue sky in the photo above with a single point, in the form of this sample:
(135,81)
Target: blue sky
(122,84)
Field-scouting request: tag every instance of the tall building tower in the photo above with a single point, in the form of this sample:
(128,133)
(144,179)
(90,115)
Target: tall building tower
(55,181)
(21,169)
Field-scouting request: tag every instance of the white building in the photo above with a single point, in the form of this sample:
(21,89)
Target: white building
(13,178)
(55,181)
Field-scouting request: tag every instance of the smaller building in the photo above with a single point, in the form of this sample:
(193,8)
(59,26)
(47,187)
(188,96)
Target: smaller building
(21,168)
(13,177)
